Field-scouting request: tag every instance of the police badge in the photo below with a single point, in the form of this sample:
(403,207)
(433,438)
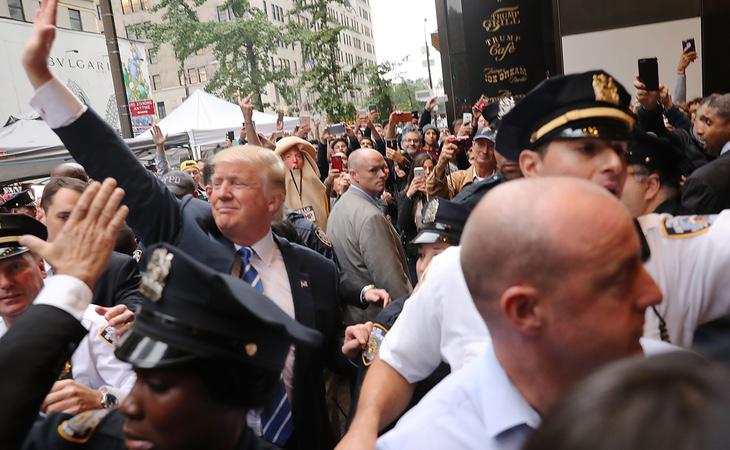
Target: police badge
(605,89)
(153,278)
(376,338)
(431,209)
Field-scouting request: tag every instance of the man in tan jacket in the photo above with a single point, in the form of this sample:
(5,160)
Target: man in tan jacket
(484,165)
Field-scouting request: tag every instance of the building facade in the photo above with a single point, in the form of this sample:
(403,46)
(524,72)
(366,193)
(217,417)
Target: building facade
(169,87)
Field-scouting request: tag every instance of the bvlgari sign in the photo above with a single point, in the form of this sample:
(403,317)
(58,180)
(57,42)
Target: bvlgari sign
(504,44)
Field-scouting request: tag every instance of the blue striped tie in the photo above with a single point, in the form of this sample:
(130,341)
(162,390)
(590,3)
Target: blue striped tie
(277,424)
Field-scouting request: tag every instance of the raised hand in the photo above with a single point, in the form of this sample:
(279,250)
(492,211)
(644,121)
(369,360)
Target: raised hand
(157,137)
(38,47)
(247,108)
(83,247)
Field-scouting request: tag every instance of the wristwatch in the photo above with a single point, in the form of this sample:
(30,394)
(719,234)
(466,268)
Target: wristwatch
(108,400)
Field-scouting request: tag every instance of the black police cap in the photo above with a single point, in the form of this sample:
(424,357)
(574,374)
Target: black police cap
(19,199)
(656,154)
(12,227)
(191,312)
(443,222)
(586,105)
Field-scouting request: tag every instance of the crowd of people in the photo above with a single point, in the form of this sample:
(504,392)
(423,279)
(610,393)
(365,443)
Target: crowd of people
(549,275)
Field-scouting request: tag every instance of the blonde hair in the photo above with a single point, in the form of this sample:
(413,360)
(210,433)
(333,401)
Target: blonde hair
(264,161)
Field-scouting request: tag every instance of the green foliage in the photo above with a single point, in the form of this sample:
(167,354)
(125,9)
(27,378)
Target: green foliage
(318,34)
(243,48)
(404,93)
(381,89)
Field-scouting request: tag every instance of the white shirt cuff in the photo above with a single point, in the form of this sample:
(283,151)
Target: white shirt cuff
(67,293)
(56,104)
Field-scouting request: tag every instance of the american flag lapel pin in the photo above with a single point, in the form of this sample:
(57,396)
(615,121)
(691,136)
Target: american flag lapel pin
(303,283)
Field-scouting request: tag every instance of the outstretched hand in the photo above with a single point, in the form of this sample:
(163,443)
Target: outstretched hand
(38,47)
(157,136)
(85,243)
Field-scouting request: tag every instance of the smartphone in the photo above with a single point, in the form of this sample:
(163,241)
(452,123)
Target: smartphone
(372,108)
(481,103)
(334,130)
(405,117)
(688,45)
(337,162)
(463,142)
(418,172)
(229,136)
(466,118)
(362,112)
(304,121)
(649,73)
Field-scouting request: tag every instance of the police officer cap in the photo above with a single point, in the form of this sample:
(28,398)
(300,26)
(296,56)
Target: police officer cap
(179,183)
(12,227)
(586,105)
(192,312)
(443,222)
(491,111)
(656,154)
(471,194)
(22,198)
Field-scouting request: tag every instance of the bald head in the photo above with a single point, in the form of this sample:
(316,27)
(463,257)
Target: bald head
(70,170)
(361,158)
(533,231)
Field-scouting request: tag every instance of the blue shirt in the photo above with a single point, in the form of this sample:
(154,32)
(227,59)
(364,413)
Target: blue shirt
(477,408)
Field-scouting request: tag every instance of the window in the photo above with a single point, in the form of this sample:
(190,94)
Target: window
(126,7)
(277,13)
(224,14)
(16,9)
(192,76)
(74,19)
(156,82)
(181,78)
(151,56)
(202,74)
(266,10)
(130,32)
(129,6)
(200,51)
(161,111)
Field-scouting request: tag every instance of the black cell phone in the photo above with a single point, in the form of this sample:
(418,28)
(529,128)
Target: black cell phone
(372,108)
(334,130)
(229,135)
(649,73)
(688,45)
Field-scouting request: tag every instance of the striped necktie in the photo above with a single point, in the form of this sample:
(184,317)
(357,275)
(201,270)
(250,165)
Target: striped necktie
(277,424)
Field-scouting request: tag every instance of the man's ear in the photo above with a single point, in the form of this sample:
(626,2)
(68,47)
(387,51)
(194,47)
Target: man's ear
(42,267)
(521,306)
(208,190)
(653,186)
(530,163)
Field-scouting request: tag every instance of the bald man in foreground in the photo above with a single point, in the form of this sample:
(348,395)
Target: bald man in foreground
(370,254)
(557,309)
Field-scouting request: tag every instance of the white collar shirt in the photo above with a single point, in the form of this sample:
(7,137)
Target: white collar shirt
(477,407)
(725,148)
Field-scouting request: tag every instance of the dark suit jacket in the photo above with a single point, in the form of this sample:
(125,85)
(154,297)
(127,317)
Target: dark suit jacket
(118,283)
(32,354)
(157,216)
(707,190)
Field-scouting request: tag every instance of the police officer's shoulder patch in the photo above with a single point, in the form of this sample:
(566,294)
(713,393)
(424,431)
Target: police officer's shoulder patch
(678,227)
(377,334)
(108,335)
(322,236)
(80,428)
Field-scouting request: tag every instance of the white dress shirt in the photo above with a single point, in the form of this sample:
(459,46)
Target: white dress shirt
(56,104)
(692,273)
(438,323)
(93,364)
(269,263)
(475,408)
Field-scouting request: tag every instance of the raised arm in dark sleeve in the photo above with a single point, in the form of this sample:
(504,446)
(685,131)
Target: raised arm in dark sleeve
(322,164)
(154,213)
(425,120)
(32,354)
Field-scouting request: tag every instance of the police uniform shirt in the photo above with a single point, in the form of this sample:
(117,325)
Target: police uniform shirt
(93,364)
(690,256)
(438,323)
(269,263)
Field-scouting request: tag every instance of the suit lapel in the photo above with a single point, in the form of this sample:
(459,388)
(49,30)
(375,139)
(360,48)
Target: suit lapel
(301,288)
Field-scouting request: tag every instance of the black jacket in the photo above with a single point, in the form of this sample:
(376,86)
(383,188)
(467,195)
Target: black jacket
(157,216)
(707,191)
(118,283)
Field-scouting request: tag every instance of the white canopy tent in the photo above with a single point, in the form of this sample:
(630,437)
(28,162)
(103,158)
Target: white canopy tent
(30,149)
(206,119)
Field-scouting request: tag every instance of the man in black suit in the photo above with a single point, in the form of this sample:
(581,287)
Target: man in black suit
(707,190)
(245,196)
(118,284)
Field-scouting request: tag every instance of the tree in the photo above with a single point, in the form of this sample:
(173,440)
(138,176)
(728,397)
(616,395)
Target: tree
(180,28)
(381,89)
(244,48)
(313,27)
(404,93)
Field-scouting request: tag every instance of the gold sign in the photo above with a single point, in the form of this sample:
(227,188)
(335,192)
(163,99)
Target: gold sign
(502,17)
(502,45)
(493,75)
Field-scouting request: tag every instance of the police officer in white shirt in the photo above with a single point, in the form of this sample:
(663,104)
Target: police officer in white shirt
(93,378)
